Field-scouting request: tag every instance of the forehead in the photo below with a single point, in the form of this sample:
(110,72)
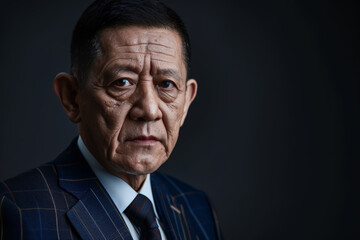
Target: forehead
(133,42)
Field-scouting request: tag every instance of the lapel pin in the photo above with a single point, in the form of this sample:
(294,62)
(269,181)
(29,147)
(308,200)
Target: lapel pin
(175,209)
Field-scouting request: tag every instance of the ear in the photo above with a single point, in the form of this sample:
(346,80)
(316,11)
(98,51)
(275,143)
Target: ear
(66,88)
(190,94)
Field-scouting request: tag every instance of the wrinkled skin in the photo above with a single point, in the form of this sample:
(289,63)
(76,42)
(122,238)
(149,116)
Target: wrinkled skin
(136,99)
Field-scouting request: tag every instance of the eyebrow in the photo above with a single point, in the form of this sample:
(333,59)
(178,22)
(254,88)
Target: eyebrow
(114,71)
(170,73)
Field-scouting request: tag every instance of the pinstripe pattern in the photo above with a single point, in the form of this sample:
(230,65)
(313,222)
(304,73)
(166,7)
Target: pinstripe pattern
(83,225)
(53,201)
(93,220)
(67,207)
(174,213)
(86,212)
(107,214)
(108,198)
(182,226)
(184,197)
(186,223)
(168,218)
(64,200)
(196,212)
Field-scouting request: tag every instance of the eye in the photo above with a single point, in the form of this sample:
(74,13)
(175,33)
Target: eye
(166,84)
(122,82)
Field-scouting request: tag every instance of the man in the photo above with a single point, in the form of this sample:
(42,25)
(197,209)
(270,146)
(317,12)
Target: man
(129,94)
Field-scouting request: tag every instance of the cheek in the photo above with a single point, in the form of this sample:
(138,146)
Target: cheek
(113,114)
(104,113)
(175,111)
(172,120)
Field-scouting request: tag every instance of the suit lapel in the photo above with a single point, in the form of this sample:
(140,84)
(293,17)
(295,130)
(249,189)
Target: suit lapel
(94,216)
(173,216)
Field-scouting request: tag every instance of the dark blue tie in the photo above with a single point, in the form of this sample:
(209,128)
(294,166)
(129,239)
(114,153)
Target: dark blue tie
(141,214)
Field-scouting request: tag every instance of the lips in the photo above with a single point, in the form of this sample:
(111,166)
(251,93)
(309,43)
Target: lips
(144,141)
(145,138)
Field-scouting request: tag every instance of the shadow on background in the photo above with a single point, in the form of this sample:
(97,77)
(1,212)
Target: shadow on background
(273,136)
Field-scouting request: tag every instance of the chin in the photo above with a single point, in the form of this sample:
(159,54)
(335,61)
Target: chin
(140,165)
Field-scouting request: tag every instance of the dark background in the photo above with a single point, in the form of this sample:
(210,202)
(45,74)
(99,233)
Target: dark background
(273,136)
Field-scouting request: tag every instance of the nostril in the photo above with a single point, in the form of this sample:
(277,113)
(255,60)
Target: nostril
(141,119)
(145,113)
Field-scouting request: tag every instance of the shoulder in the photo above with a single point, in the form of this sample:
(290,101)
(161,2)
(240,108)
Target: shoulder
(25,200)
(29,185)
(40,182)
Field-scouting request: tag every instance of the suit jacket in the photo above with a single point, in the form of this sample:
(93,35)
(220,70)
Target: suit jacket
(64,200)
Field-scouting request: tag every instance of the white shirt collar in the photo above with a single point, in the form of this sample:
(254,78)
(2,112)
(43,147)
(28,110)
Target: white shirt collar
(120,192)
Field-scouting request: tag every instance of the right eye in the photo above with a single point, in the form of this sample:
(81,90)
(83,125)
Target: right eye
(122,82)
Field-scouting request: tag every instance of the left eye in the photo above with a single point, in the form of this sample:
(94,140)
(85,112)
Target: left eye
(166,84)
(123,82)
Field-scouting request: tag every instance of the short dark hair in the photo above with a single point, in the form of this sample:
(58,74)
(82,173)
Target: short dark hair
(101,14)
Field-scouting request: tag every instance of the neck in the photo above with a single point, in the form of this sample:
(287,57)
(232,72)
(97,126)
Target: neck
(134,181)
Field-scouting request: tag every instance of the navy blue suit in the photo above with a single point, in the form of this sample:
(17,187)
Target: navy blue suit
(65,200)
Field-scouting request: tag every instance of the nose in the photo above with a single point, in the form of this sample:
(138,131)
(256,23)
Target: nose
(146,103)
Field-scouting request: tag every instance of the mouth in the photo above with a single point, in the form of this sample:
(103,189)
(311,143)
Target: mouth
(144,140)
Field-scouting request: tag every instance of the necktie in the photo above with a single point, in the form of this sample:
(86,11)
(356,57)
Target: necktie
(141,214)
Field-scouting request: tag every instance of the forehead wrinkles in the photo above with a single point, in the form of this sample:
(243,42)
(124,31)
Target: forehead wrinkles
(157,52)
(130,45)
(139,41)
(147,48)
(134,56)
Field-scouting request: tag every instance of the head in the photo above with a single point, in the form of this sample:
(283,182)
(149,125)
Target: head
(102,14)
(128,89)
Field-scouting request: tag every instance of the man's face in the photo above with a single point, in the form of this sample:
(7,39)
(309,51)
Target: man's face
(136,99)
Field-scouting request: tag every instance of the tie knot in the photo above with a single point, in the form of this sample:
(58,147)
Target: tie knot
(141,213)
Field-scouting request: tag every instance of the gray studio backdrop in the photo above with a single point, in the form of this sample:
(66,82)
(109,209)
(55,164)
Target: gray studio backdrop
(273,135)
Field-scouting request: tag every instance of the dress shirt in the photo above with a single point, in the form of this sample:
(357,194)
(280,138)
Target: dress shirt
(120,192)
